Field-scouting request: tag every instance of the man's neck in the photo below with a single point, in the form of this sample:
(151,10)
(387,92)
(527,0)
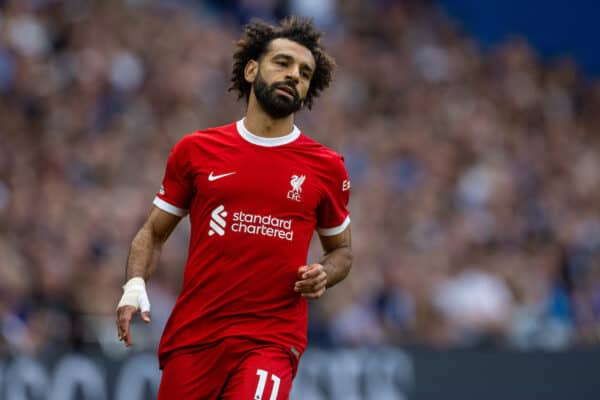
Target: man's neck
(262,124)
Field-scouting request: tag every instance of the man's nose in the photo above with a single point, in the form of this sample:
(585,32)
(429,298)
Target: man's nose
(293,74)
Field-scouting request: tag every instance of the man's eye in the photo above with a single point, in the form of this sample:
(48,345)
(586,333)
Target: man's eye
(282,63)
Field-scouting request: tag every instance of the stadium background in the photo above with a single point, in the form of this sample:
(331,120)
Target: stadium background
(475,164)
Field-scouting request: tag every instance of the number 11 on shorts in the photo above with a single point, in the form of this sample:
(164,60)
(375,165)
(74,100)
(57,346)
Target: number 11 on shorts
(262,381)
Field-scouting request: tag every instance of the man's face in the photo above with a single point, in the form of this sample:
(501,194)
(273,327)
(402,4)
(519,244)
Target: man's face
(283,77)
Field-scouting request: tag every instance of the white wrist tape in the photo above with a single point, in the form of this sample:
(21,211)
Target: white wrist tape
(134,294)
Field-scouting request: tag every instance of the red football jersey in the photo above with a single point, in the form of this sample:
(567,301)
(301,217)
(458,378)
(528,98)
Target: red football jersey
(254,203)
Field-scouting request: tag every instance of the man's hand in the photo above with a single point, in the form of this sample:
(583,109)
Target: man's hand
(312,281)
(134,299)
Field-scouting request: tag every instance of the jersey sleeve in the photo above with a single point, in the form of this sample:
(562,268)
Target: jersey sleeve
(332,213)
(176,191)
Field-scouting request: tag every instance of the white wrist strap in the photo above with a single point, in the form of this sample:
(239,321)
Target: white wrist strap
(134,294)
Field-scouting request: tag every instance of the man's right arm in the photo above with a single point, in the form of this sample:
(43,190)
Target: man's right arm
(147,243)
(143,257)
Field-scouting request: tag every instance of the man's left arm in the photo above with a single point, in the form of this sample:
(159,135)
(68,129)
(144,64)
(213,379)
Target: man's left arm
(314,279)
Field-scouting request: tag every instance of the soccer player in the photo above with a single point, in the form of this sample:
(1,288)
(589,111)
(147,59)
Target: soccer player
(255,191)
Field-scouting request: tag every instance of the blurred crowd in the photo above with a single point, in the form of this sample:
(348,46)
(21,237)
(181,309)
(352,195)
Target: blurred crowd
(476,175)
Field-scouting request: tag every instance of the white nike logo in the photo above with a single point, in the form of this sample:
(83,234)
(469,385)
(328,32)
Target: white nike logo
(212,177)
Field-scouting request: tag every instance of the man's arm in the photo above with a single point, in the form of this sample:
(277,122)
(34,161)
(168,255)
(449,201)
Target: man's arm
(143,255)
(147,243)
(314,279)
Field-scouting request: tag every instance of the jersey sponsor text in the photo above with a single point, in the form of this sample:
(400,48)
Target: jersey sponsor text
(264,225)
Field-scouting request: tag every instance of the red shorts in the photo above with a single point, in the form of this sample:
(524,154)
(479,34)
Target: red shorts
(232,369)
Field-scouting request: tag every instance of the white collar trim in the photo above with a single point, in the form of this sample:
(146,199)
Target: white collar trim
(263,141)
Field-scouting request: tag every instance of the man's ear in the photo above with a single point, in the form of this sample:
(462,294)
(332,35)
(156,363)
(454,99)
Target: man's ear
(251,71)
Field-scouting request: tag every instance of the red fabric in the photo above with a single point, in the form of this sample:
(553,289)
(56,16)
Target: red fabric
(229,370)
(240,274)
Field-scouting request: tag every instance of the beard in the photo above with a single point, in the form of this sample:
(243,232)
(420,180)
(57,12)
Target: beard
(275,104)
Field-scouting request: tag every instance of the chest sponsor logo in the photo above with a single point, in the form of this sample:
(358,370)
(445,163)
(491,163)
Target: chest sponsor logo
(296,181)
(217,221)
(212,177)
(250,224)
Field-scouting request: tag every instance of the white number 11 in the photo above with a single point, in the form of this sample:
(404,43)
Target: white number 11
(262,381)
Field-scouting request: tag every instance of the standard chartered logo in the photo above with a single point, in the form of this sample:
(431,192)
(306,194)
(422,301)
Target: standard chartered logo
(217,221)
(262,225)
(251,224)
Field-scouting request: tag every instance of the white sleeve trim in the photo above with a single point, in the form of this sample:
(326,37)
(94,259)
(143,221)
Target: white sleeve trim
(171,209)
(335,230)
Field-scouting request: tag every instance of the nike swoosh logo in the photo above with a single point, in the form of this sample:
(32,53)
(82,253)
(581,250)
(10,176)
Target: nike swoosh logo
(212,177)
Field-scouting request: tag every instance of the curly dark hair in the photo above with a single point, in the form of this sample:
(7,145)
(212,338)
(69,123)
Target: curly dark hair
(257,37)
